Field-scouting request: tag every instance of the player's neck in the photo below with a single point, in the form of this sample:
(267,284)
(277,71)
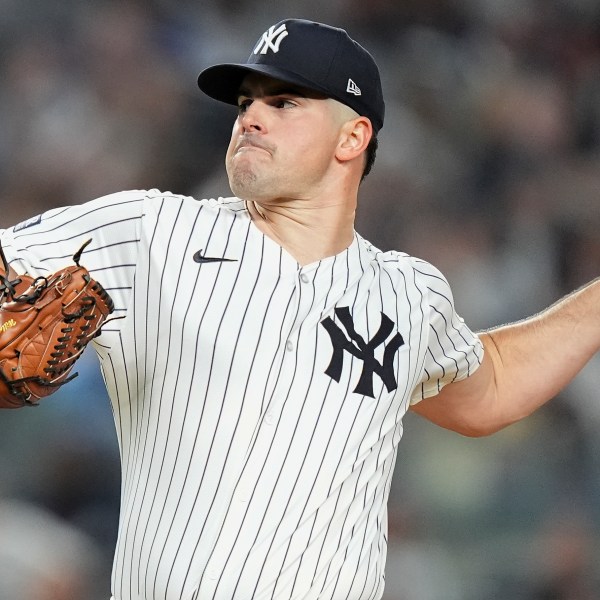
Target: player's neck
(307,233)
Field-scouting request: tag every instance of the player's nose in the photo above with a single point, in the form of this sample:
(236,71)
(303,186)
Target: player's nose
(254,116)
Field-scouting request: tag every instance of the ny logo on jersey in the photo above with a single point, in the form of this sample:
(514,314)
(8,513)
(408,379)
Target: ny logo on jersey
(362,350)
(271,39)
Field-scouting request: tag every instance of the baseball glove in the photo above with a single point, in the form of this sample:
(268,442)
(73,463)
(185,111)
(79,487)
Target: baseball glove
(45,325)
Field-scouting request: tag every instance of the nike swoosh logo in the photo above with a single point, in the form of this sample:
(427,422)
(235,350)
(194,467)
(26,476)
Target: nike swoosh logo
(200,258)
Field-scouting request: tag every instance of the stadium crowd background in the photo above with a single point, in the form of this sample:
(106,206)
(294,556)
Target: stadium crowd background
(489,167)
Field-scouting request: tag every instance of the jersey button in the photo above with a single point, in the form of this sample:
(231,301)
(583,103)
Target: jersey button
(289,345)
(269,418)
(304,278)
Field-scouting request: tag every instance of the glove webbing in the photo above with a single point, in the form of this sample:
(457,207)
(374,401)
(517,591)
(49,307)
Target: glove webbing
(9,279)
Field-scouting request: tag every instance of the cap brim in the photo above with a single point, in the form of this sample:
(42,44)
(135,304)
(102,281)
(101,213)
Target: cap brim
(222,82)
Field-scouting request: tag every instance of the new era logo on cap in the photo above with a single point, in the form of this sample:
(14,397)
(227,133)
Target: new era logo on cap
(352,88)
(312,55)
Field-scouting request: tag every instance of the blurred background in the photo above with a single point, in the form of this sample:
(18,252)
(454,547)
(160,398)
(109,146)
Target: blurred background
(489,167)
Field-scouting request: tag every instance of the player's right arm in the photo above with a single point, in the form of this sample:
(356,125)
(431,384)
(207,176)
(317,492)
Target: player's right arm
(46,243)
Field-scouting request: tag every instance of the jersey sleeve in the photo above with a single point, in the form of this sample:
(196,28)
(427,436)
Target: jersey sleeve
(47,242)
(453,351)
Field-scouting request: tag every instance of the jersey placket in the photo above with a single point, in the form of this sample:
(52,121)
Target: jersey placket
(304,304)
(246,489)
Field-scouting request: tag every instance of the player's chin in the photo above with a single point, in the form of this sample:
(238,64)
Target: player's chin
(247,163)
(244,183)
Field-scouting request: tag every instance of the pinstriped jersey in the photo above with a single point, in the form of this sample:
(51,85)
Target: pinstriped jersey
(258,403)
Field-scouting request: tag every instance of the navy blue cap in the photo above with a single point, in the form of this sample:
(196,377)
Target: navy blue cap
(315,56)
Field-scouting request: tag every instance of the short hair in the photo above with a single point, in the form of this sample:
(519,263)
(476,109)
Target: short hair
(370,154)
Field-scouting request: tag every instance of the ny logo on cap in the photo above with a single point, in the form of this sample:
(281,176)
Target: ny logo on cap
(271,39)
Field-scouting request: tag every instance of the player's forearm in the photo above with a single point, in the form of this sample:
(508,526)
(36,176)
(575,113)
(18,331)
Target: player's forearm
(525,365)
(536,358)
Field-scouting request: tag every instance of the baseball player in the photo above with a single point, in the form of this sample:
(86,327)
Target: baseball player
(268,353)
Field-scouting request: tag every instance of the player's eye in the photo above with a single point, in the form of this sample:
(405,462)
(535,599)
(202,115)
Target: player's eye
(243,104)
(284,103)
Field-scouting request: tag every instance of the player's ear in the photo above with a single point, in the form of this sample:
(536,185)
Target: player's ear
(354,138)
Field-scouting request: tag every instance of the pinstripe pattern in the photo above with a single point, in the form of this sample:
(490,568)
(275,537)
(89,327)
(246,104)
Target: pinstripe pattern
(247,471)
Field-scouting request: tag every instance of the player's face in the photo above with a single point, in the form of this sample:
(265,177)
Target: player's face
(283,141)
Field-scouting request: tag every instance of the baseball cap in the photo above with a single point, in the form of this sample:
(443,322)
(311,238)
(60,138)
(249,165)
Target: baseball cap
(313,55)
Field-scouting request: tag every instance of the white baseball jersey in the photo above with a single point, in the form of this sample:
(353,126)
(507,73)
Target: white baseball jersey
(258,404)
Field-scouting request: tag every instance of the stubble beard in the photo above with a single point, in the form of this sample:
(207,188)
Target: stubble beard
(247,184)
(242,182)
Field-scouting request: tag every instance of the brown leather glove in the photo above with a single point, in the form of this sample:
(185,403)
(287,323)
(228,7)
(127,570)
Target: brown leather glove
(45,325)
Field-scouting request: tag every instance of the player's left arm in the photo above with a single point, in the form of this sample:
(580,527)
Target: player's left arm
(525,364)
